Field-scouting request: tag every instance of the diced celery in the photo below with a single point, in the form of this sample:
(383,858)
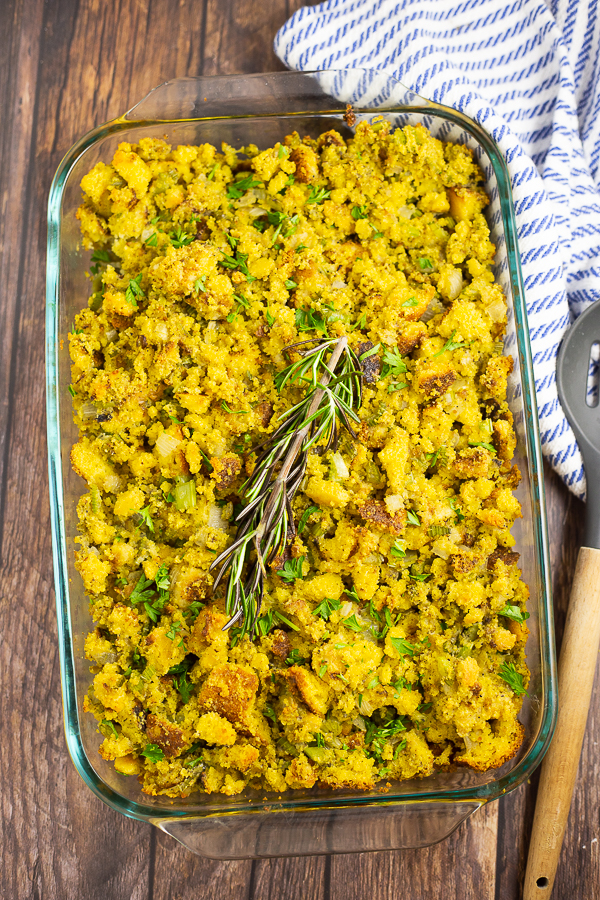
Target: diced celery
(185,495)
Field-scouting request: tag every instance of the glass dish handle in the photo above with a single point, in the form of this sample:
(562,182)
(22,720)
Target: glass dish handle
(319,831)
(279,93)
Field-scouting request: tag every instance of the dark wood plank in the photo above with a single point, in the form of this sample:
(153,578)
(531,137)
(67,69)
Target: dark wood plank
(288,879)
(460,868)
(565,526)
(65,67)
(52,822)
(179,875)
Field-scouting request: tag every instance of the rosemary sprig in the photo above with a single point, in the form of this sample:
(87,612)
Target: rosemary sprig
(330,374)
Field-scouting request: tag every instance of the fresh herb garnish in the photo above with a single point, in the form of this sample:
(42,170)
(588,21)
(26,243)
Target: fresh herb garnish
(377,736)
(397,551)
(393,364)
(352,623)
(153,752)
(269,712)
(412,518)
(404,647)
(134,290)
(483,444)
(146,518)
(111,725)
(326,607)
(456,509)
(360,323)
(200,284)
(317,195)
(294,658)
(239,187)
(292,570)
(514,679)
(425,264)
(308,319)
(450,345)
(514,613)
(180,238)
(334,391)
(234,412)
(369,353)
(410,303)
(270,319)
(359,212)
(305,517)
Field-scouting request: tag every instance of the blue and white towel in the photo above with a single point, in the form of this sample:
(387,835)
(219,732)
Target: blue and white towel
(528,72)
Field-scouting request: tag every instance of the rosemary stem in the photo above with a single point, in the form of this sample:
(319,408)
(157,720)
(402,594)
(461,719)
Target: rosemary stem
(299,438)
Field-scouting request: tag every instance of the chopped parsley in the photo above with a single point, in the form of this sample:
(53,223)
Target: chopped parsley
(352,623)
(397,551)
(317,195)
(236,189)
(326,607)
(404,647)
(146,518)
(153,752)
(514,679)
(514,613)
(412,518)
(483,444)
(134,290)
(393,364)
(292,570)
(180,238)
(450,345)
(308,319)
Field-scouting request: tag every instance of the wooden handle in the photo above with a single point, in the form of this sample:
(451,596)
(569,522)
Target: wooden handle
(576,670)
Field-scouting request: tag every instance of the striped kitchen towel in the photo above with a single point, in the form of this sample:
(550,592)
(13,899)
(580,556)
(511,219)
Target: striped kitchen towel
(528,72)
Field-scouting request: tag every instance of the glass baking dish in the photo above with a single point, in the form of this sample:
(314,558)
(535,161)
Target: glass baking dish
(261,109)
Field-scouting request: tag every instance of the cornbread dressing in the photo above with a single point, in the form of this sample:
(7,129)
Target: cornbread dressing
(392,630)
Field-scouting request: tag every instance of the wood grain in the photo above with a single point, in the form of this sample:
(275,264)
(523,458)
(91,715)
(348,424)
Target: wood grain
(576,670)
(66,66)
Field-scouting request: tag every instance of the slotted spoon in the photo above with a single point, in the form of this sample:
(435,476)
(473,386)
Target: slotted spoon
(579,651)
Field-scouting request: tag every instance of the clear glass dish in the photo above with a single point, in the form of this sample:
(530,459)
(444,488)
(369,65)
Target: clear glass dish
(261,109)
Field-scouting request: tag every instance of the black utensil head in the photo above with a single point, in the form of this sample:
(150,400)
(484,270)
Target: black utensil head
(578,392)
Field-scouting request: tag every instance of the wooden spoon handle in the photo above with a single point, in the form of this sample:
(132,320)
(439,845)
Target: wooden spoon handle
(576,670)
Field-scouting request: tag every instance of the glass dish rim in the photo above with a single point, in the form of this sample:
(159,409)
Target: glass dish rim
(478,794)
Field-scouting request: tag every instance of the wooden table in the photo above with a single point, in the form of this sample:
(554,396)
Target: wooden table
(64,68)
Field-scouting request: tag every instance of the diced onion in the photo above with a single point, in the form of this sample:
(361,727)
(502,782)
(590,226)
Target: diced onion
(161,331)
(257,211)
(346,610)
(111,334)
(404,212)
(166,444)
(338,284)
(366,707)
(359,723)
(340,466)
(440,550)
(496,310)
(432,310)
(215,517)
(454,284)
(394,503)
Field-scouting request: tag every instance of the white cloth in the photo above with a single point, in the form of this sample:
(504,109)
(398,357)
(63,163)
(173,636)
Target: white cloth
(528,72)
